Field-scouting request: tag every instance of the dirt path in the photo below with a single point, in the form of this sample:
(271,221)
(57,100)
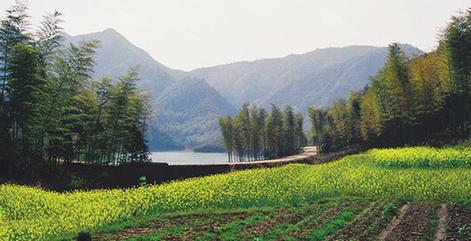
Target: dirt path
(443,217)
(394,223)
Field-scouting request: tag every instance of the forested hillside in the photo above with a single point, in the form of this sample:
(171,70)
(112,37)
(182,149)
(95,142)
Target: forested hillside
(52,109)
(411,100)
(299,80)
(315,78)
(188,111)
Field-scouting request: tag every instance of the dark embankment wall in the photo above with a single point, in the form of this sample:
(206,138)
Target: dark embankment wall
(127,175)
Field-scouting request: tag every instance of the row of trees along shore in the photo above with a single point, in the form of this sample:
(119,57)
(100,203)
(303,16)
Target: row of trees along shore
(412,100)
(52,111)
(256,134)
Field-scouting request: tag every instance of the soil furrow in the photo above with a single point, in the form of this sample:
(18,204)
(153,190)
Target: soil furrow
(459,223)
(369,224)
(413,223)
(441,229)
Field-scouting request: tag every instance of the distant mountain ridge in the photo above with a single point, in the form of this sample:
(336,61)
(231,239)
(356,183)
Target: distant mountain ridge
(294,79)
(189,103)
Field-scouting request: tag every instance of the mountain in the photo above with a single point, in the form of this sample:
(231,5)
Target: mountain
(189,111)
(188,104)
(301,80)
(116,55)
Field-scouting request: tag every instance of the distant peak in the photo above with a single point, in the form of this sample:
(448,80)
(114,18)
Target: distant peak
(110,30)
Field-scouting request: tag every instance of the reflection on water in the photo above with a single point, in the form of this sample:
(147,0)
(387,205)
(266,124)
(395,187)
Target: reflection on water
(188,157)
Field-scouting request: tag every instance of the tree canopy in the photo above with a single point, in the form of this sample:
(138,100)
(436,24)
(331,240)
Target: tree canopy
(256,134)
(53,111)
(409,101)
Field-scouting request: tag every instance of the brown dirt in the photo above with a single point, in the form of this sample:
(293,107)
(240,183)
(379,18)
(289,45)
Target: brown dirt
(412,223)
(394,222)
(281,216)
(440,235)
(191,233)
(459,223)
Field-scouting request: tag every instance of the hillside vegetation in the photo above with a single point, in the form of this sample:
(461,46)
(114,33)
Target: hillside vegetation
(314,78)
(410,101)
(29,213)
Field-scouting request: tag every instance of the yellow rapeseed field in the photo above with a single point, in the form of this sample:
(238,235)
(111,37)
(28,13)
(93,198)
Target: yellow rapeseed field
(411,173)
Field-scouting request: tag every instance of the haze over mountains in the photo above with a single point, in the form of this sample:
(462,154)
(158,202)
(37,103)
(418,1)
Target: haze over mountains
(188,104)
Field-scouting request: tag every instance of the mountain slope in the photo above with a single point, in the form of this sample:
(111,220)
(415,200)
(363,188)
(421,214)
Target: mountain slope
(189,111)
(188,104)
(186,114)
(314,78)
(117,55)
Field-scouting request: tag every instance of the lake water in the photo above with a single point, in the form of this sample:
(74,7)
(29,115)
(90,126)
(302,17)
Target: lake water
(188,157)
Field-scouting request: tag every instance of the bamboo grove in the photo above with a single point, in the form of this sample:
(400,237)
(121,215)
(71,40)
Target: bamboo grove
(412,100)
(256,134)
(52,111)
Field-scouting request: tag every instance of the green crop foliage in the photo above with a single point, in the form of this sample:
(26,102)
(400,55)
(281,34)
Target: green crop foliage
(33,214)
(422,157)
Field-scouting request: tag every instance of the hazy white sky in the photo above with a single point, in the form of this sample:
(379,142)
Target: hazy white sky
(186,34)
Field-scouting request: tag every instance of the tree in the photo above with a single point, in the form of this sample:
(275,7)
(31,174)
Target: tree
(371,120)
(243,121)
(341,120)
(261,118)
(431,87)
(50,35)
(457,41)
(318,118)
(354,112)
(51,110)
(26,91)
(255,128)
(300,139)
(289,132)
(255,134)
(13,31)
(398,97)
(68,74)
(227,131)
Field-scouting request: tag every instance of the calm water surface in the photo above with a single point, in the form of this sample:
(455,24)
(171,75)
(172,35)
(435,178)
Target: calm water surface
(188,157)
